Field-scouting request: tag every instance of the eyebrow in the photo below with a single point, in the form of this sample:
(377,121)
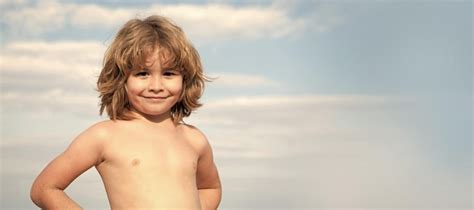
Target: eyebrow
(140,69)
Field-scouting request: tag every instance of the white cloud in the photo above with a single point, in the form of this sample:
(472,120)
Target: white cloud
(51,98)
(92,16)
(43,17)
(38,76)
(70,59)
(5,3)
(204,21)
(336,150)
(240,80)
(56,48)
(217,20)
(326,101)
(279,117)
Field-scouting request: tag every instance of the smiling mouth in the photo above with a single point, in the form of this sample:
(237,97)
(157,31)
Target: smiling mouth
(155,97)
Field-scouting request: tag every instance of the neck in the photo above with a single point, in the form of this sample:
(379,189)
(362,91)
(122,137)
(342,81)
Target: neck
(164,119)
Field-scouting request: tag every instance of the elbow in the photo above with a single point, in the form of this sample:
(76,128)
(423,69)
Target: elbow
(36,193)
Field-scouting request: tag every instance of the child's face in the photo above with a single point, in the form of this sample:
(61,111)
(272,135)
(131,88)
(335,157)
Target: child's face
(153,90)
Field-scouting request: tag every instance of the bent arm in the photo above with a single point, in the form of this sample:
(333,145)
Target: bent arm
(47,191)
(208,181)
(56,199)
(210,197)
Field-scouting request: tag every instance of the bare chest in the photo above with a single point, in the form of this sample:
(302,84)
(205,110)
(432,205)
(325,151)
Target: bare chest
(164,155)
(144,170)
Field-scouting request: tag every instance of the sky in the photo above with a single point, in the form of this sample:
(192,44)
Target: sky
(316,104)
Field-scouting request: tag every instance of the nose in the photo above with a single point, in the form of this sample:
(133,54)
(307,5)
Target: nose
(155,84)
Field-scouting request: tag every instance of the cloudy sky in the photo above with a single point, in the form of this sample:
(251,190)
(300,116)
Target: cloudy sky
(317,104)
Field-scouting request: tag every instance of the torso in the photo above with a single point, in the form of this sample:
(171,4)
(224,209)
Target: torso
(144,167)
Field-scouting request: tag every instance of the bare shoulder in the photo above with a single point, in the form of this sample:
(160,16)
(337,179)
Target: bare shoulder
(101,130)
(189,129)
(97,134)
(196,137)
(89,145)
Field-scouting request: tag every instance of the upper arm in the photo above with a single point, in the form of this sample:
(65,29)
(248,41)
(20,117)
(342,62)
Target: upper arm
(83,153)
(207,175)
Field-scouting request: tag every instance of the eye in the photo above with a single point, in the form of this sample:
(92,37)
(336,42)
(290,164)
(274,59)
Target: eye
(141,74)
(169,73)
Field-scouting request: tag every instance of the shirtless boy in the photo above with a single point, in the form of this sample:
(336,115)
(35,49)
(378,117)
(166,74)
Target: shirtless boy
(147,156)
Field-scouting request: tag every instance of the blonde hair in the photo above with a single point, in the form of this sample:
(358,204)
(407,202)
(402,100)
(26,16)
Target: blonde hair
(132,44)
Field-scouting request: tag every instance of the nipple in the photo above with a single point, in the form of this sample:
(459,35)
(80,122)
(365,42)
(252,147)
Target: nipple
(135,162)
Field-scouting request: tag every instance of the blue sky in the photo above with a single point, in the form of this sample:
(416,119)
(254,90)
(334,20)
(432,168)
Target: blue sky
(317,104)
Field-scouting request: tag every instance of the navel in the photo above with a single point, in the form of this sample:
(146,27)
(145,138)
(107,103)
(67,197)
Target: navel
(135,162)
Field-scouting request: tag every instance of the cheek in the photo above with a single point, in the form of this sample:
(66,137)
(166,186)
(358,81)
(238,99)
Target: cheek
(130,96)
(129,89)
(134,86)
(132,89)
(175,87)
(178,88)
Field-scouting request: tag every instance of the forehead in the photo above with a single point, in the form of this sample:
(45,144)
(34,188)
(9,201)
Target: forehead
(151,56)
(157,55)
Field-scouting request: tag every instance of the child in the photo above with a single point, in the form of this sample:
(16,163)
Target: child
(147,157)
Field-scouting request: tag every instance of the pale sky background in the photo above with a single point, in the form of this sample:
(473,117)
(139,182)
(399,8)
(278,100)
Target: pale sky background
(318,104)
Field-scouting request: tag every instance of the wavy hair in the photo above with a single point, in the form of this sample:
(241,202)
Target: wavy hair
(132,44)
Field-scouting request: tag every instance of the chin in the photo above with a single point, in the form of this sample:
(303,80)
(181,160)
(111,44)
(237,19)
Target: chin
(152,109)
(154,113)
